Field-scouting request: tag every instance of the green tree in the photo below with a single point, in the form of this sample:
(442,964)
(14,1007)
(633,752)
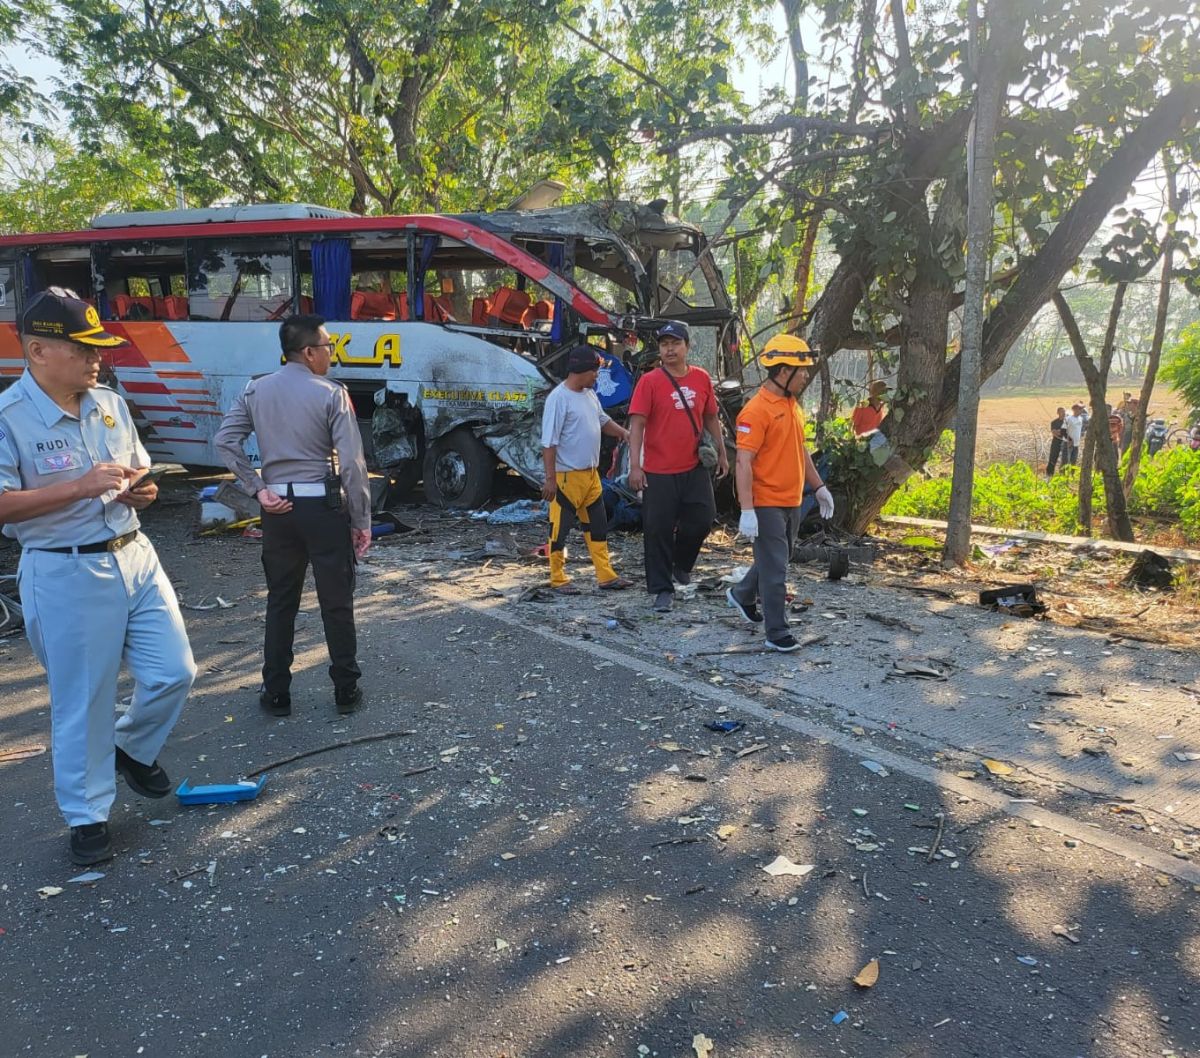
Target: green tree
(1182,369)
(379,107)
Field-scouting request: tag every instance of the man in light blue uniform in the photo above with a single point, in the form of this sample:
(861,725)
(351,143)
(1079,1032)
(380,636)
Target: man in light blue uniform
(92,590)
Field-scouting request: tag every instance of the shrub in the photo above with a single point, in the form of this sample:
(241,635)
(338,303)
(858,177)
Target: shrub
(1015,496)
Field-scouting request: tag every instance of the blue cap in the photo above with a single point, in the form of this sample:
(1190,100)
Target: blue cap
(675,329)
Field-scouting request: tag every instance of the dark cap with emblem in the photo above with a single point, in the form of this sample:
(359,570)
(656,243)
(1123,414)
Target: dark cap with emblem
(581,359)
(68,319)
(675,329)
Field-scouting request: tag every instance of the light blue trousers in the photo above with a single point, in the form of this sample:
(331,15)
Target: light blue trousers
(84,614)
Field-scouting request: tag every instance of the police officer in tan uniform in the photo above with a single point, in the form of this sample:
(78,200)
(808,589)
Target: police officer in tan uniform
(316,502)
(72,479)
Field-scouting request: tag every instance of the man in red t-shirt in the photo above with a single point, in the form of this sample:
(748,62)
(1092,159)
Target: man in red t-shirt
(867,417)
(670,407)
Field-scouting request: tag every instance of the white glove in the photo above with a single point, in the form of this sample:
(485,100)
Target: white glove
(824,502)
(748,525)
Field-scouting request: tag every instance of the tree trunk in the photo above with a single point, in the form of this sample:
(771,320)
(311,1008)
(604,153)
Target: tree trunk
(1160,329)
(1099,440)
(989,100)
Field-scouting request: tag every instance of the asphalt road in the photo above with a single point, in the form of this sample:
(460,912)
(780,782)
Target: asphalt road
(573,866)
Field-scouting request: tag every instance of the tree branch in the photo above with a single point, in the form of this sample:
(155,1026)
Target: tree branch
(781,123)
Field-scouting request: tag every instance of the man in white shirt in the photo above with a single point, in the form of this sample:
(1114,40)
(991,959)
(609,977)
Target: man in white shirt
(1073,426)
(572,423)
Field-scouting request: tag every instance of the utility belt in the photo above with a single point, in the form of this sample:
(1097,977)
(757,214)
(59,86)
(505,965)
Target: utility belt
(329,490)
(101,546)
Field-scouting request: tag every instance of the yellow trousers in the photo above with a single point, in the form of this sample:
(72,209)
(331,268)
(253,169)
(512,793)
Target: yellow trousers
(579,499)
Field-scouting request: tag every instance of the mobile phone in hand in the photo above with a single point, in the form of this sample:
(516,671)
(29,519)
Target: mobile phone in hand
(151,477)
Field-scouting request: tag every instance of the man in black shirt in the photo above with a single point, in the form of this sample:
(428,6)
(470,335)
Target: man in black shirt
(1057,436)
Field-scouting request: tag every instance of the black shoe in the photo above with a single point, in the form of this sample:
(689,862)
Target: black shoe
(276,704)
(748,610)
(785,645)
(681,576)
(663,601)
(347,699)
(148,780)
(90,844)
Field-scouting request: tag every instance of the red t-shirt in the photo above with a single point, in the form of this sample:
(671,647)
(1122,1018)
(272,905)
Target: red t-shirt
(669,444)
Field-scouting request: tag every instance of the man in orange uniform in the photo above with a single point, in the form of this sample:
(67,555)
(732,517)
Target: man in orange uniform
(773,467)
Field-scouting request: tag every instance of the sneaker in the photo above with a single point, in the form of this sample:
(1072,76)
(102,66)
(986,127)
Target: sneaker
(148,780)
(663,601)
(348,698)
(90,844)
(749,611)
(785,645)
(566,589)
(681,576)
(276,704)
(616,584)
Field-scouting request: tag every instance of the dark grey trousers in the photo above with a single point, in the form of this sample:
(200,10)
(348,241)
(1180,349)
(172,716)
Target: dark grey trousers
(309,532)
(767,579)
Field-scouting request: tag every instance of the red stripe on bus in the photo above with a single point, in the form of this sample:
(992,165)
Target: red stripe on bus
(471,234)
(144,387)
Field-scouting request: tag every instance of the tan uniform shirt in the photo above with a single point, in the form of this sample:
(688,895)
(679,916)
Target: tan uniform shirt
(299,418)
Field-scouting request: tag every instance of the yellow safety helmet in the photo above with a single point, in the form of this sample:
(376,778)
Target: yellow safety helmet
(788,350)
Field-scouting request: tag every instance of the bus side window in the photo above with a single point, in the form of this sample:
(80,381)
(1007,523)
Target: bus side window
(140,280)
(8,289)
(66,267)
(249,280)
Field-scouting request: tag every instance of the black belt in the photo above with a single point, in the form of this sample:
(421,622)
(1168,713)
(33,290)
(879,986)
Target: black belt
(115,544)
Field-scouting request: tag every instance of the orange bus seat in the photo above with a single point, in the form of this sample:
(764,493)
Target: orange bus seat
(402,305)
(539,312)
(372,305)
(438,309)
(481,308)
(508,306)
(123,306)
(173,307)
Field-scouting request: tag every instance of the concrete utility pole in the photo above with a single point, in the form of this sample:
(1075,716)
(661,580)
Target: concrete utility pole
(1004,26)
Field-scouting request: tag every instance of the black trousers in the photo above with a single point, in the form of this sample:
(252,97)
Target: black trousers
(309,532)
(678,510)
(1056,449)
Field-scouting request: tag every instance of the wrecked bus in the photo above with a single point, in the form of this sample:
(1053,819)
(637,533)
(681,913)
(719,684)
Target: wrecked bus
(448,330)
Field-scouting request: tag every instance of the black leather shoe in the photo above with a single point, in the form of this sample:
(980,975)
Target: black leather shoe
(90,844)
(149,780)
(276,704)
(347,699)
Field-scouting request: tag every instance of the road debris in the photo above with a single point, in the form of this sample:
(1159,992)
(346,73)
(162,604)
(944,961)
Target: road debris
(702,1045)
(782,866)
(868,975)
(358,741)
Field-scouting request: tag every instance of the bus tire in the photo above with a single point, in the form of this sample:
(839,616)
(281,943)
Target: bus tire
(458,470)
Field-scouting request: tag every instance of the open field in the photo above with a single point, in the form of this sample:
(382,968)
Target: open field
(1017,426)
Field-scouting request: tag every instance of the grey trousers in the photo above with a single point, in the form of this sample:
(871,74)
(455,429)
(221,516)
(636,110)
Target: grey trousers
(767,579)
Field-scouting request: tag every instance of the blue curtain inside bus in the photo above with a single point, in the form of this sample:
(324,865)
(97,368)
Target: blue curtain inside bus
(28,275)
(331,278)
(555,261)
(429,245)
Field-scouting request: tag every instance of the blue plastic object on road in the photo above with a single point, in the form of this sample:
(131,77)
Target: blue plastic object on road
(220,793)
(839,1017)
(725,727)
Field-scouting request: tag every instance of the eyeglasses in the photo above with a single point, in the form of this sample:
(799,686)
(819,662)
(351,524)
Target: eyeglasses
(320,345)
